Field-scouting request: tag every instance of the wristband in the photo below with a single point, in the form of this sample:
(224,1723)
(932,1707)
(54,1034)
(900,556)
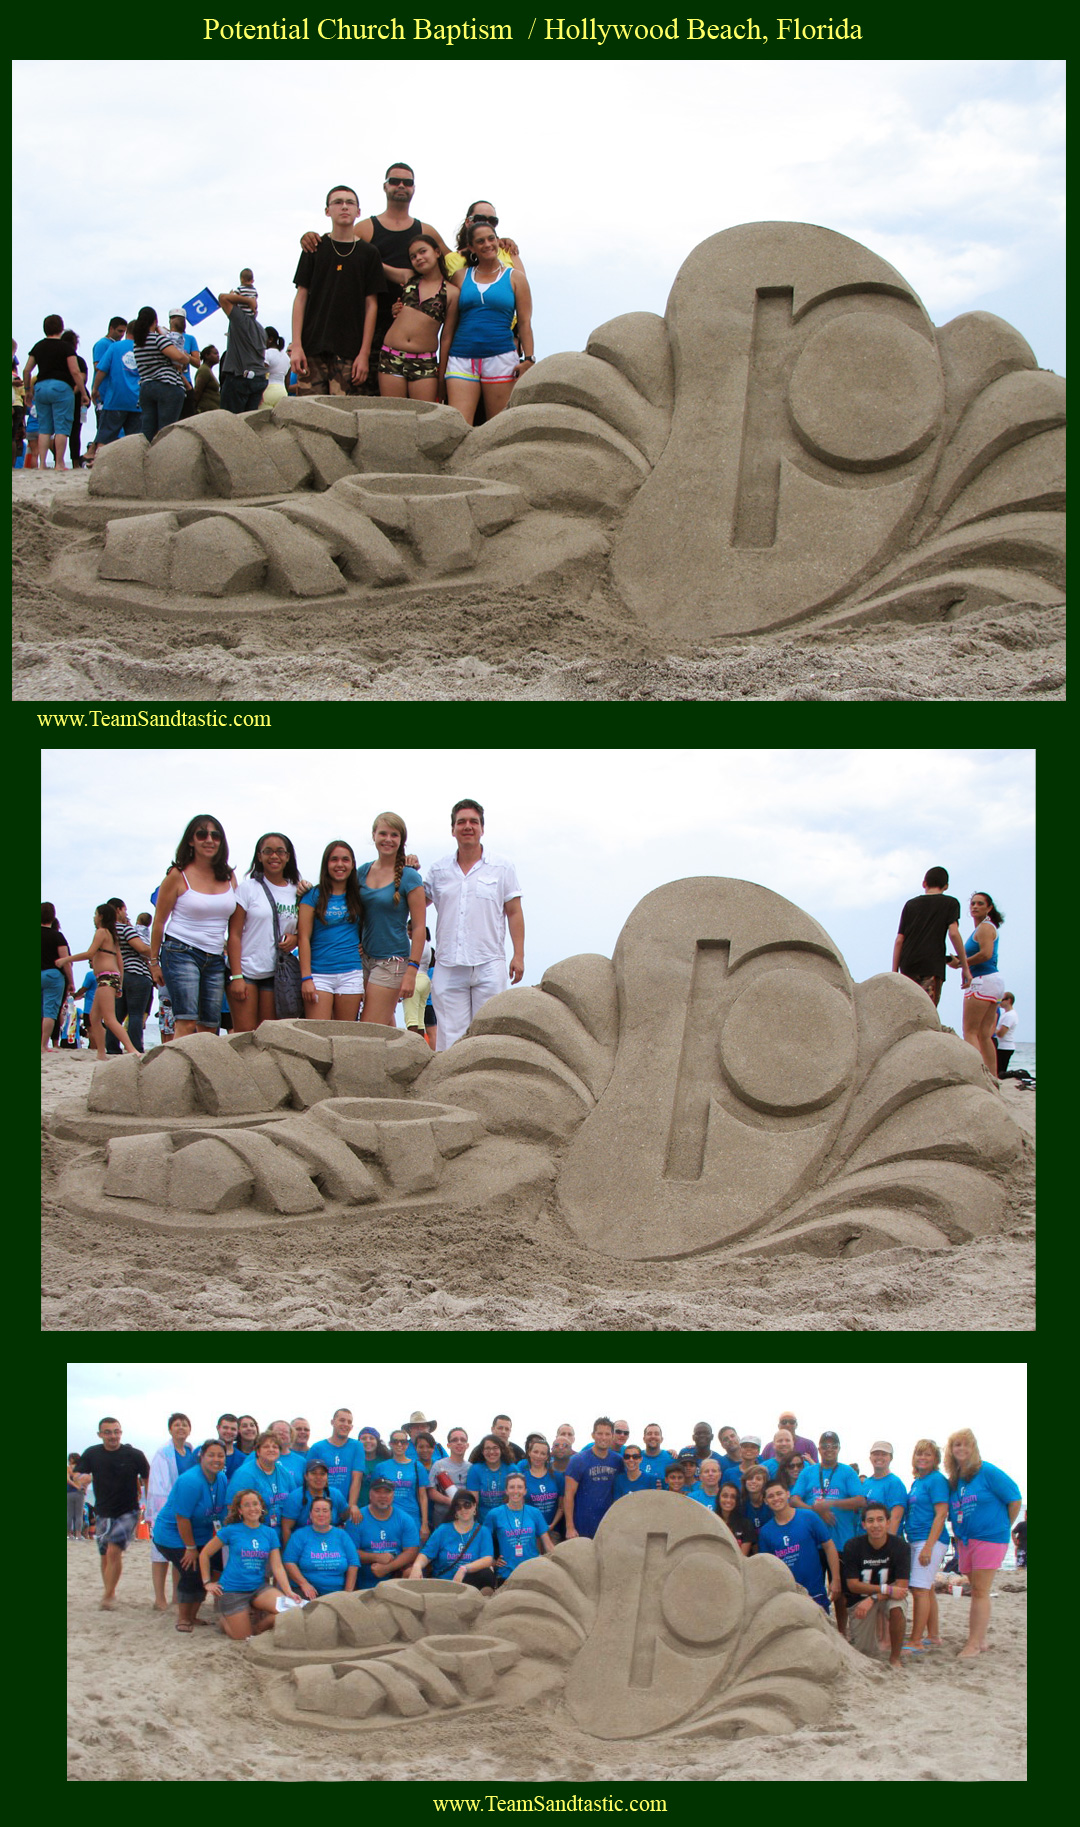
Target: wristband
(237,977)
(307,979)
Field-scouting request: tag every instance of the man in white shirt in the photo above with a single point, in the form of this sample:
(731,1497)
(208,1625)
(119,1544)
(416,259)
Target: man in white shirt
(477,897)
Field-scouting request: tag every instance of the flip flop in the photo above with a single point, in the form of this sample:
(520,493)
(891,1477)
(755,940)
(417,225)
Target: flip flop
(913,1649)
(185,1628)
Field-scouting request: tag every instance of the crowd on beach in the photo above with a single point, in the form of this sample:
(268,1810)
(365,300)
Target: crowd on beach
(227,954)
(383,305)
(263,1520)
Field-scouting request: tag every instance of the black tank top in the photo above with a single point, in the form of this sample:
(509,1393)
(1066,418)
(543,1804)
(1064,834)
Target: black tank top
(392,247)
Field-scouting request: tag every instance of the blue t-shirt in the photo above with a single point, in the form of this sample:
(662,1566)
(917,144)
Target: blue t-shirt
(625,1487)
(756,1515)
(925,1492)
(654,1465)
(391,1535)
(733,1474)
(516,1533)
(297,1506)
(294,1464)
(700,1495)
(490,1486)
(335,939)
(889,1490)
(119,388)
(596,1488)
(407,1480)
(201,1500)
(385,935)
(447,1552)
(814,1485)
(340,1461)
(323,1558)
(272,1487)
(247,1569)
(796,1543)
(543,1492)
(978,1507)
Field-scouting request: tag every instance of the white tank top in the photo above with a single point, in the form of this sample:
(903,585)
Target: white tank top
(201,919)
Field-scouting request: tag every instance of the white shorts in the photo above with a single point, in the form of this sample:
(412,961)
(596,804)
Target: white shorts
(922,1578)
(989,988)
(340,983)
(482,367)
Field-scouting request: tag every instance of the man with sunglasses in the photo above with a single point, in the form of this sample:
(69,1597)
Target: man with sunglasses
(389,234)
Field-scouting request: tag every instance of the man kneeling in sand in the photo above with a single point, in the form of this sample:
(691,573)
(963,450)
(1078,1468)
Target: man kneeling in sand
(876,1567)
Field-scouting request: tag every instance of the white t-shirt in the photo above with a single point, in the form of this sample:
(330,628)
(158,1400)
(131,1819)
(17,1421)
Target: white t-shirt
(277,364)
(470,907)
(257,940)
(1006,1029)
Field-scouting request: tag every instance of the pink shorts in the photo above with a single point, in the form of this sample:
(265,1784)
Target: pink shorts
(980,1557)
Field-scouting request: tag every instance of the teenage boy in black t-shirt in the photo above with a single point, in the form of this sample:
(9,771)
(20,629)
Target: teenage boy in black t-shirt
(876,1568)
(337,291)
(117,1472)
(919,950)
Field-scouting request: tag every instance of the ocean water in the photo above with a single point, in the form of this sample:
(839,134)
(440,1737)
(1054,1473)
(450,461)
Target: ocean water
(1023,1056)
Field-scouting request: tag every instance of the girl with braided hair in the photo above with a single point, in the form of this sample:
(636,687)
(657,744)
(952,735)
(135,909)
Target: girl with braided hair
(391,888)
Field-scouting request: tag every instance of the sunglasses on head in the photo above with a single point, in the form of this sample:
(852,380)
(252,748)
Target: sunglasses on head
(488,221)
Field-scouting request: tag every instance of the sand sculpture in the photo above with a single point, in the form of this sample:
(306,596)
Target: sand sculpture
(658,1627)
(793,442)
(719,1084)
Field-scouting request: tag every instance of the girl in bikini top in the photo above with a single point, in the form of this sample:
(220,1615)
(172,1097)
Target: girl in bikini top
(434,307)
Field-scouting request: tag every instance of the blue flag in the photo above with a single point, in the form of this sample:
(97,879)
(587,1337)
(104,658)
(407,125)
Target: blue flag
(204,304)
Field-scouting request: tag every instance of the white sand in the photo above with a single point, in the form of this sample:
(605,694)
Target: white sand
(148,1704)
(372,1271)
(514,645)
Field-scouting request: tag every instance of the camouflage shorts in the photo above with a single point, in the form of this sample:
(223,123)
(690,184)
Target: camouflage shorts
(407,365)
(328,374)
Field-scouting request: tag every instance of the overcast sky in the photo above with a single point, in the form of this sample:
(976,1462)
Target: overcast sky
(154,180)
(847,834)
(862,1402)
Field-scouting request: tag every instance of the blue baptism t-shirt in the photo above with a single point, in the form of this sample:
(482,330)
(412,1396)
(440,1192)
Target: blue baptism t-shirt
(543,1492)
(654,1465)
(335,939)
(978,1508)
(340,1461)
(700,1495)
(273,1487)
(490,1486)
(323,1559)
(385,934)
(925,1492)
(294,1463)
(596,1488)
(649,1481)
(407,1480)
(447,1552)
(796,1543)
(814,1485)
(247,1569)
(390,1535)
(889,1490)
(297,1506)
(515,1533)
(200,1500)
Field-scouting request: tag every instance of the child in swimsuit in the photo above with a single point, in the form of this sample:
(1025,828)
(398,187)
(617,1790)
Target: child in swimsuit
(428,311)
(108,967)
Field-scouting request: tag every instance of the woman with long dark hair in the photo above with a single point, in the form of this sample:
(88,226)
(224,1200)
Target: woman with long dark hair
(730,1511)
(409,359)
(194,906)
(987,985)
(484,356)
(390,892)
(251,929)
(106,962)
(490,1464)
(330,920)
(55,971)
(161,382)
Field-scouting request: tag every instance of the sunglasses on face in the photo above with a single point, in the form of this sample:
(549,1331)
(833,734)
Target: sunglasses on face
(202,831)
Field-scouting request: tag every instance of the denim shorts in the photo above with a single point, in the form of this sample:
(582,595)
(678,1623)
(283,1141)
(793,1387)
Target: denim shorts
(55,403)
(53,991)
(195,981)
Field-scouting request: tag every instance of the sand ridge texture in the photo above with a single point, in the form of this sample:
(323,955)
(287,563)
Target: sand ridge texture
(436,1272)
(511,645)
(148,1704)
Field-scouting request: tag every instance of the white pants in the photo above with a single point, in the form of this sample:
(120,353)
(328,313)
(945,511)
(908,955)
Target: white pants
(459,992)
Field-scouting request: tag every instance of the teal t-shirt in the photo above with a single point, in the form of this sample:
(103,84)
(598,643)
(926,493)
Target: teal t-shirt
(385,934)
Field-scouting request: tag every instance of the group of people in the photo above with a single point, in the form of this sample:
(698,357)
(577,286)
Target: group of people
(382,304)
(926,923)
(265,1519)
(277,945)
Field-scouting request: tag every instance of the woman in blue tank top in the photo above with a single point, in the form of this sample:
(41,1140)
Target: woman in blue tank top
(484,355)
(987,986)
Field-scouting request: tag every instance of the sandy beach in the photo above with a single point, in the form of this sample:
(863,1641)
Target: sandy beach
(518,644)
(373,1271)
(148,1704)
